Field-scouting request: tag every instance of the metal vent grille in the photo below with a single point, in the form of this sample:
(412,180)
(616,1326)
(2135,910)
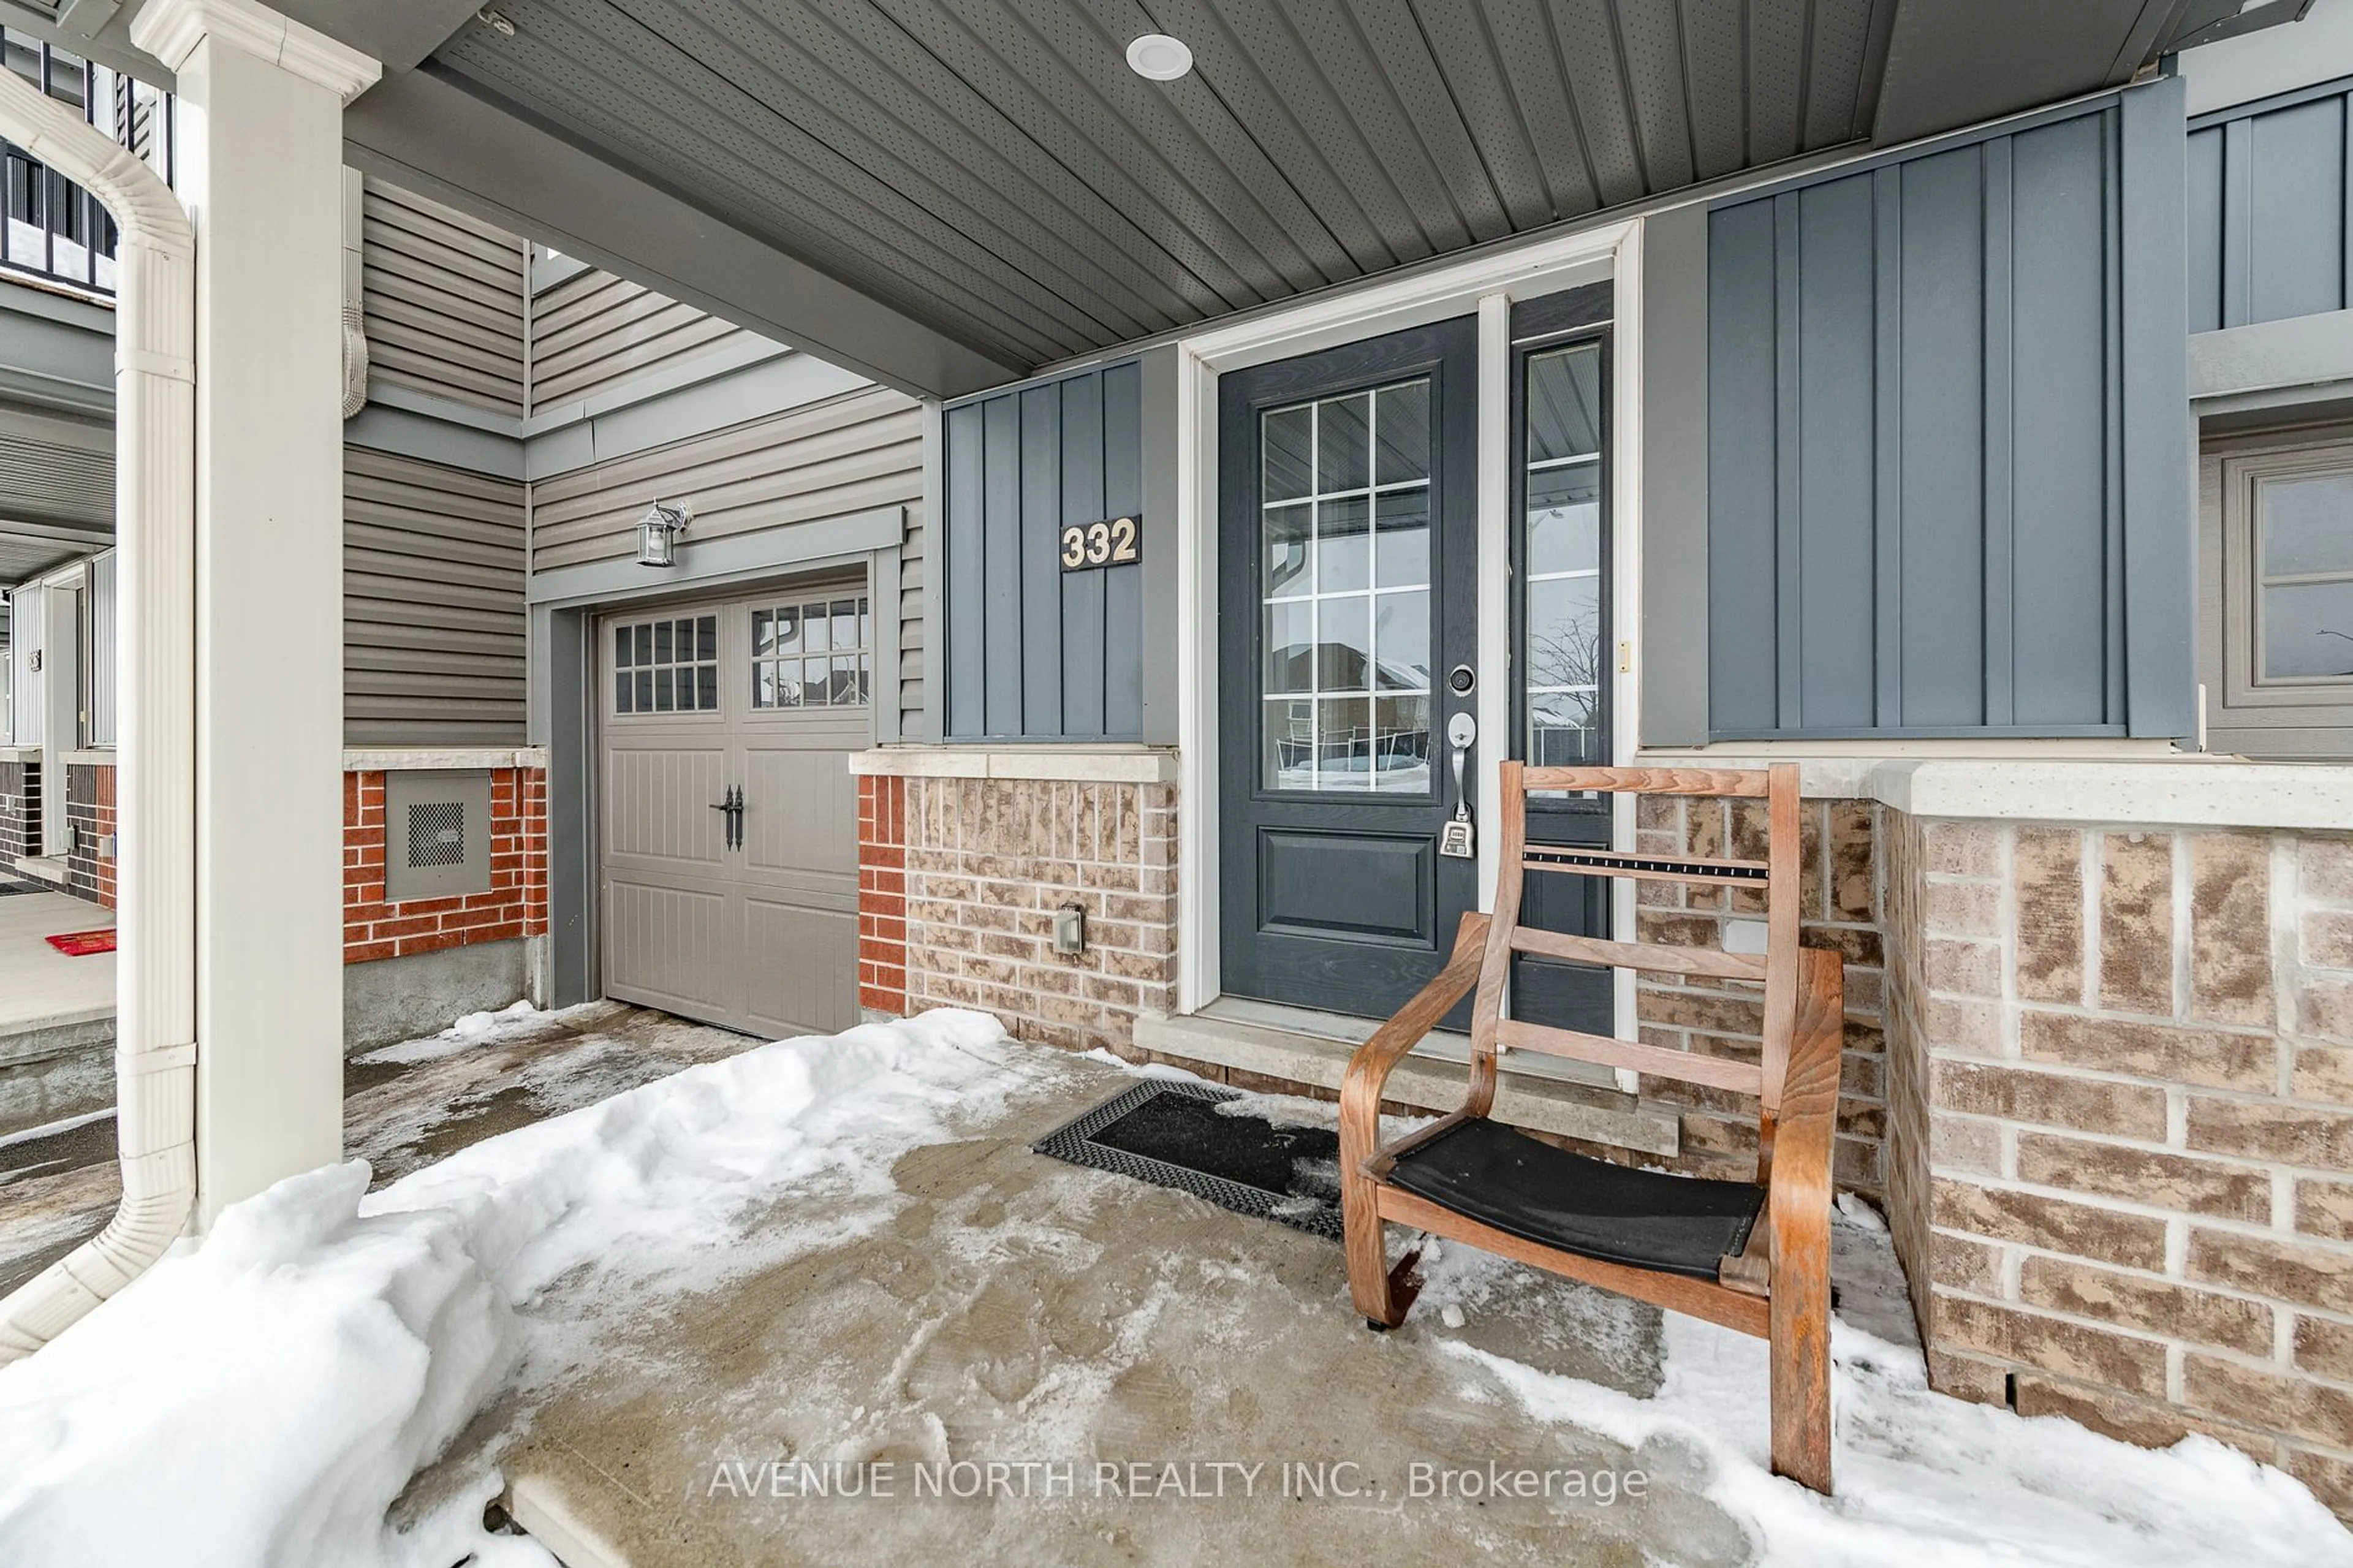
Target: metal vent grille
(436,833)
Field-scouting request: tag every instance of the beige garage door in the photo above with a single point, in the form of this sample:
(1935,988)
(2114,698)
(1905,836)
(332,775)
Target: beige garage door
(745,917)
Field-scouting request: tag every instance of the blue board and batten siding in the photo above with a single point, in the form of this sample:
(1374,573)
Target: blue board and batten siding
(1034,653)
(1948,468)
(2270,209)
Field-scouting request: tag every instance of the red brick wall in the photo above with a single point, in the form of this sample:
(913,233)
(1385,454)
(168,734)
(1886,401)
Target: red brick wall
(515,906)
(105,863)
(882,894)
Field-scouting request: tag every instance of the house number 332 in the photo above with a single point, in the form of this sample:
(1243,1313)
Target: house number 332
(1114,542)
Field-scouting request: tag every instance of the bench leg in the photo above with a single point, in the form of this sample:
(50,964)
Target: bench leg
(1801,1355)
(1369,1281)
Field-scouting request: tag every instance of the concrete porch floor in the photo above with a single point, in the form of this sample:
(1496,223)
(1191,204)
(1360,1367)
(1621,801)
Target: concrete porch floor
(1019,1309)
(41,988)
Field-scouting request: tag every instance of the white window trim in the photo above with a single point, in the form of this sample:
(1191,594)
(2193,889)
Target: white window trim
(1486,286)
(2309,721)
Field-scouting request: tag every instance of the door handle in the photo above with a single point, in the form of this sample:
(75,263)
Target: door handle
(731,824)
(1454,839)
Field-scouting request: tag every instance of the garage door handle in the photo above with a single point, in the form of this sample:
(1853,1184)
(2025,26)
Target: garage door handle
(734,806)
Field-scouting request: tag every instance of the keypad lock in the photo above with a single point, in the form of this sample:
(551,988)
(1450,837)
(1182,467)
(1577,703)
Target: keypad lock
(1455,838)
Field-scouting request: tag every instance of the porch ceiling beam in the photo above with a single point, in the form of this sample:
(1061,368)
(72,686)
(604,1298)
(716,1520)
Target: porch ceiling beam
(57,533)
(425,133)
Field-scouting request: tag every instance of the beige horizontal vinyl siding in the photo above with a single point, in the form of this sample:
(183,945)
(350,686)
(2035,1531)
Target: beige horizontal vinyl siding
(594,332)
(433,605)
(913,724)
(846,455)
(442,299)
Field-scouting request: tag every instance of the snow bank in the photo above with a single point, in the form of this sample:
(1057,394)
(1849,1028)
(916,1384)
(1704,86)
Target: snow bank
(261,1399)
(1923,1479)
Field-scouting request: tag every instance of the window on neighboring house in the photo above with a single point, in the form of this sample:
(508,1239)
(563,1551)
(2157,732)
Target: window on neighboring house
(2277,520)
(811,653)
(2303,577)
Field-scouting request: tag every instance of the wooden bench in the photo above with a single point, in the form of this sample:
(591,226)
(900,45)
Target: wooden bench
(1750,1256)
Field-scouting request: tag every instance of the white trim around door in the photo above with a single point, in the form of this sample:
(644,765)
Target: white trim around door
(1486,287)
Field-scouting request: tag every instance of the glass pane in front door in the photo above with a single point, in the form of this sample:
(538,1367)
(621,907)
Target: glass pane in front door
(1343,536)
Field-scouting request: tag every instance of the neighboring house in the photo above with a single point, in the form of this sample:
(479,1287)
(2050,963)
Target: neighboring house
(523,412)
(1848,389)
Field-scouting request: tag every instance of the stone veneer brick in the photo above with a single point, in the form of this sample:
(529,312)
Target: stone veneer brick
(987,862)
(2120,1146)
(1840,888)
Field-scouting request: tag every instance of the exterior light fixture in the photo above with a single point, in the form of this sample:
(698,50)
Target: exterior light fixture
(663,522)
(1157,57)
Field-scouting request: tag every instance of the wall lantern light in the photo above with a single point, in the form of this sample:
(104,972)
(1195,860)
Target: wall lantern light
(1157,57)
(663,521)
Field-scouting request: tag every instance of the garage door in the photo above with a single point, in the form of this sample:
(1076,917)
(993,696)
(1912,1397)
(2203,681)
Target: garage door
(729,834)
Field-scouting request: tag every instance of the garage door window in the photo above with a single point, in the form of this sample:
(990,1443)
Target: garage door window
(811,653)
(667,666)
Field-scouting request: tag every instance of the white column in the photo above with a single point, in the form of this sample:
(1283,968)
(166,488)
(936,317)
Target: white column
(260,167)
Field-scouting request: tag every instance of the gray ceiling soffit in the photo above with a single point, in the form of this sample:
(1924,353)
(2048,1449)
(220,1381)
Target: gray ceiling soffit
(433,135)
(94,31)
(1957,62)
(993,168)
(398,34)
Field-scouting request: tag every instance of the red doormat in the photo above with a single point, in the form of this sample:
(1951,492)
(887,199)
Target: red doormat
(82,943)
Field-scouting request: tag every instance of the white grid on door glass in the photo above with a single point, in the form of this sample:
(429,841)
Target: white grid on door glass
(812,653)
(669,665)
(1561,551)
(2304,579)
(1344,591)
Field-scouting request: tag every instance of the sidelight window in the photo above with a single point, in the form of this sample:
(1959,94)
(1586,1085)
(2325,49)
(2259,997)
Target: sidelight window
(1561,558)
(1345,591)
(668,665)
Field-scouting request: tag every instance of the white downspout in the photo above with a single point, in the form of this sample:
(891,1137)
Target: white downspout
(155,867)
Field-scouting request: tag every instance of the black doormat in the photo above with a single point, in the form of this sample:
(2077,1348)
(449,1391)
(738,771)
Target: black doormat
(9,886)
(1170,1132)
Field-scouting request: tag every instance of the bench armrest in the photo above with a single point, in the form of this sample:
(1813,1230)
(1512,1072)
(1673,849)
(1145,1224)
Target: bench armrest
(1369,1067)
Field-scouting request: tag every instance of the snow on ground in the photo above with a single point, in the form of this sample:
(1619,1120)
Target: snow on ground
(473,1029)
(262,1398)
(1923,1480)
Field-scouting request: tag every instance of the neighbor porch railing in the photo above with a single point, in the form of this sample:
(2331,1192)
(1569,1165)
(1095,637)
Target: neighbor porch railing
(56,230)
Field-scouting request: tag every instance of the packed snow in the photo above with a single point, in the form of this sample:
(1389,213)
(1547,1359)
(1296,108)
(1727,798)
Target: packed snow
(259,1400)
(263,1398)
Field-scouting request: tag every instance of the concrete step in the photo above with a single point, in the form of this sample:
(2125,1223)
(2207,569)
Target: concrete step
(1433,1077)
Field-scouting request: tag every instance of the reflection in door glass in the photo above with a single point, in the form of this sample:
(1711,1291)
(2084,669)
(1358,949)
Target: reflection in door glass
(1344,582)
(812,655)
(1561,553)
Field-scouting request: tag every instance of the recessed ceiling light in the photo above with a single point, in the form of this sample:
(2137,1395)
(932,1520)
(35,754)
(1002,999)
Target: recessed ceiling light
(1157,57)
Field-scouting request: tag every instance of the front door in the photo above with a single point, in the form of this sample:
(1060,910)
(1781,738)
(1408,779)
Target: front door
(1347,597)
(729,815)
(1348,552)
